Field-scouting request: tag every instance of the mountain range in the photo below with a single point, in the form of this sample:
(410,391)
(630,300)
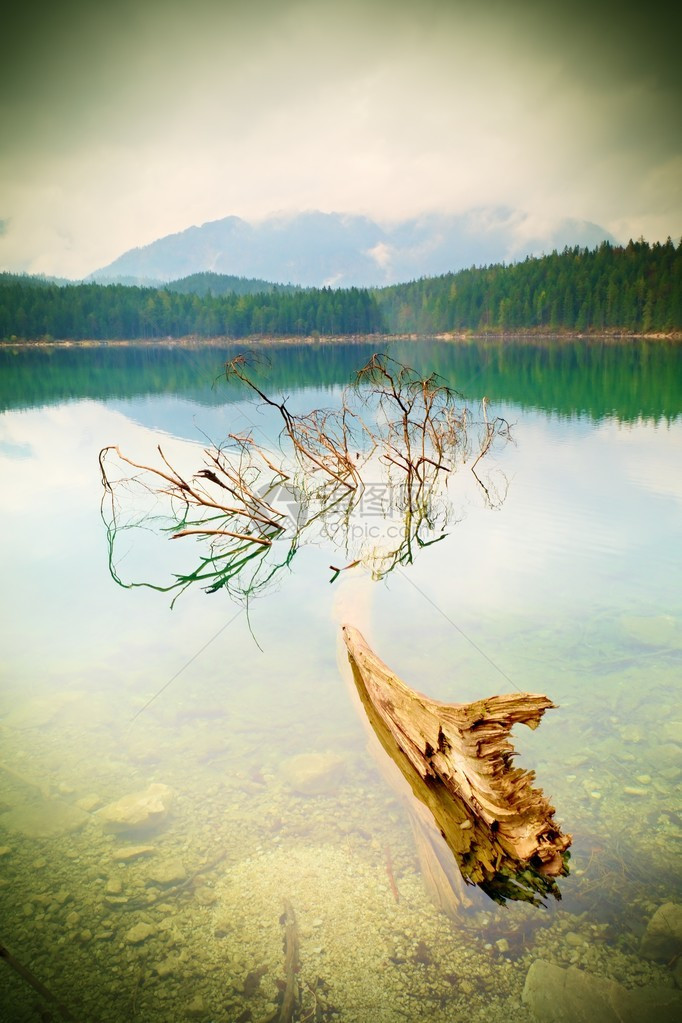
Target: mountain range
(314,249)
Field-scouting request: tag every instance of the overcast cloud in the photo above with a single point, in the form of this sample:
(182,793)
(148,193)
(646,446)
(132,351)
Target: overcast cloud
(125,123)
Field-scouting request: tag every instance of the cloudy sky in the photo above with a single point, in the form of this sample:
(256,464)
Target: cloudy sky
(120,123)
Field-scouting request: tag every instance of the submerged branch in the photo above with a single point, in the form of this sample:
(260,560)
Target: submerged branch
(223,532)
(37,985)
(396,434)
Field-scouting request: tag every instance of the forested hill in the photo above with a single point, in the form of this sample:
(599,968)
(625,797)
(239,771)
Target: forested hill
(120,312)
(210,283)
(636,288)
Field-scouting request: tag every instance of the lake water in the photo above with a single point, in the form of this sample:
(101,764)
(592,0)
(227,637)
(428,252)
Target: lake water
(567,583)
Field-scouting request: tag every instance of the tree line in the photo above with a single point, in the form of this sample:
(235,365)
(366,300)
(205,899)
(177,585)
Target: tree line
(120,312)
(635,288)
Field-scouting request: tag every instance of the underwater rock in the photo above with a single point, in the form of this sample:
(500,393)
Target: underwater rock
(146,747)
(313,774)
(89,802)
(671,731)
(662,939)
(167,872)
(669,754)
(644,1004)
(139,933)
(45,818)
(654,630)
(223,926)
(252,980)
(205,896)
(132,852)
(677,973)
(139,811)
(555,995)
(196,1008)
(38,712)
(169,966)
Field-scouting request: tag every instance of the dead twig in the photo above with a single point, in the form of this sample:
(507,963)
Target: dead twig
(37,985)
(391,876)
(291,999)
(174,889)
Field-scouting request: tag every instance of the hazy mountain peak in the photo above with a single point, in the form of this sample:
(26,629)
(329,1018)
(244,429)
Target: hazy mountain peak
(313,248)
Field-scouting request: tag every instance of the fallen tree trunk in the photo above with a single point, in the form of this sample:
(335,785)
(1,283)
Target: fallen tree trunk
(458,761)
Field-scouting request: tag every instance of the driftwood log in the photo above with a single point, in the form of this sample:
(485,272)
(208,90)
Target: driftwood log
(457,759)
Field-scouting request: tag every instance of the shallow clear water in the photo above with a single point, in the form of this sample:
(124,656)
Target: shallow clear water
(570,587)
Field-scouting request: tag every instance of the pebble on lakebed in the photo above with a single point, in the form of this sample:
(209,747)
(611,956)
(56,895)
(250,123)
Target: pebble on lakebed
(138,811)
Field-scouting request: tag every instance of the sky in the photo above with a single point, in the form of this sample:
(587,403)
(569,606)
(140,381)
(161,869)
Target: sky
(121,123)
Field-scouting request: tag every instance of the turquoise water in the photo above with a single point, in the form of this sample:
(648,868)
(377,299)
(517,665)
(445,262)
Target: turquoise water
(569,585)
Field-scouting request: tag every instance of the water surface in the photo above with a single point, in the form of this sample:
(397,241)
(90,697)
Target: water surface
(569,586)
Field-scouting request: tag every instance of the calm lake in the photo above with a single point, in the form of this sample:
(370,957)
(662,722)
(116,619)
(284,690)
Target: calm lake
(563,579)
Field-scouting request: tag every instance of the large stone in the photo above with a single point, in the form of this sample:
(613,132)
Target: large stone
(662,939)
(313,774)
(555,995)
(139,933)
(38,712)
(139,811)
(647,1004)
(44,818)
(167,872)
(132,852)
(89,803)
(677,973)
(671,731)
(567,996)
(196,1008)
(654,630)
(168,967)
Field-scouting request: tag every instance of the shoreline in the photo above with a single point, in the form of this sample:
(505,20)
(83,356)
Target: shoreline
(192,341)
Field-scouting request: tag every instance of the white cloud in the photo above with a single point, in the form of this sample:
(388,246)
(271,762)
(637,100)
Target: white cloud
(382,254)
(330,107)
